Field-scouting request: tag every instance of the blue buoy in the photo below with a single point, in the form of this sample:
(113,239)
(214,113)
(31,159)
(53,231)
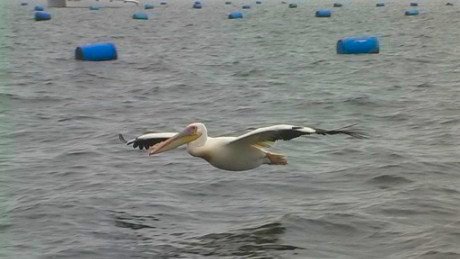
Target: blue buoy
(292,5)
(379,4)
(411,12)
(197,5)
(258,2)
(358,45)
(337,5)
(246,6)
(235,15)
(39,8)
(42,16)
(323,13)
(197,2)
(413,4)
(96,52)
(24,3)
(148,6)
(140,16)
(94,8)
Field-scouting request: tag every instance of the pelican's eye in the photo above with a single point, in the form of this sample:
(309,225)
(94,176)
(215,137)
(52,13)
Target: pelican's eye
(193,128)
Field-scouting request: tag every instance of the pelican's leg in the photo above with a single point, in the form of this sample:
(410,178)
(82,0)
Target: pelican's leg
(276,159)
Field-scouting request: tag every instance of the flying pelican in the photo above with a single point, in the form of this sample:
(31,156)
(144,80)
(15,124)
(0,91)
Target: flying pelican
(241,153)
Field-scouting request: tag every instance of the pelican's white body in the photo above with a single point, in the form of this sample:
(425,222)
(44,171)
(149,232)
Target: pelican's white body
(220,154)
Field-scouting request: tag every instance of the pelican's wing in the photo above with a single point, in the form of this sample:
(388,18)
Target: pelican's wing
(147,140)
(264,136)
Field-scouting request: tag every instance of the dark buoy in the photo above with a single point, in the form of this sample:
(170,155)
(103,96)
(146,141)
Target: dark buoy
(197,5)
(413,4)
(42,16)
(246,6)
(379,4)
(258,2)
(411,12)
(96,52)
(163,3)
(148,6)
(358,45)
(337,5)
(449,4)
(140,16)
(24,3)
(323,13)
(39,8)
(94,8)
(228,3)
(235,15)
(292,5)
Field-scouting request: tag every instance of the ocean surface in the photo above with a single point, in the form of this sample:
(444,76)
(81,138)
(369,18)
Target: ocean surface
(70,189)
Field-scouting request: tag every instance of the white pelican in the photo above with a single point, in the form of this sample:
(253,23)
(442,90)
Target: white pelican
(241,153)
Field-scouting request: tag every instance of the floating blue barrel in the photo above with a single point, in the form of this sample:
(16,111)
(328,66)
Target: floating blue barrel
(292,5)
(197,5)
(148,6)
(413,4)
(358,45)
(94,8)
(323,13)
(39,8)
(24,3)
(42,16)
(96,52)
(235,15)
(337,5)
(140,16)
(197,2)
(246,6)
(411,12)
(258,2)
(228,3)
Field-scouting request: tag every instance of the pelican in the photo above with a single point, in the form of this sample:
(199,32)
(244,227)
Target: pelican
(241,153)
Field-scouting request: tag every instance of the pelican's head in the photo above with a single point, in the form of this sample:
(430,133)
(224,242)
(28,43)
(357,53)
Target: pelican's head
(189,134)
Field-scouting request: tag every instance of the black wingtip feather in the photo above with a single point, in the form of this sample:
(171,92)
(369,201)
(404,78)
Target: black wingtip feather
(344,130)
(121,138)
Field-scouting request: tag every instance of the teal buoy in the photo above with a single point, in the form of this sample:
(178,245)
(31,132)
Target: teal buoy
(140,16)
(39,8)
(358,45)
(148,6)
(235,15)
(42,16)
(323,13)
(411,12)
(96,52)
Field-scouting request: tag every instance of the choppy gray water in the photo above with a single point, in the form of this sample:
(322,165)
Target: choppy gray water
(70,189)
